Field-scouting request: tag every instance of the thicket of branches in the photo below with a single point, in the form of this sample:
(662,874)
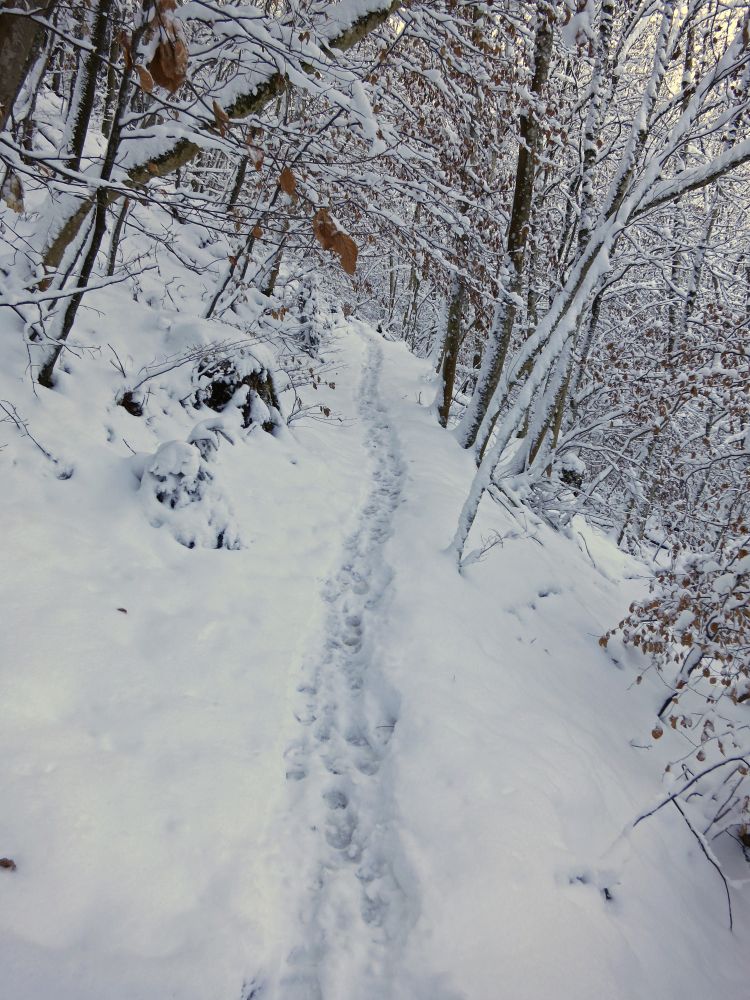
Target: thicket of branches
(549,200)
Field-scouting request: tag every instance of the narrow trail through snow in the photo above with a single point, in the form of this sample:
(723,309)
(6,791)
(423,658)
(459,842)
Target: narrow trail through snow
(355,907)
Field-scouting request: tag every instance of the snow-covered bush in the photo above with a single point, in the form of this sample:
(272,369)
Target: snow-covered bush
(694,629)
(572,470)
(179,490)
(243,379)
(698,613)
(307,308)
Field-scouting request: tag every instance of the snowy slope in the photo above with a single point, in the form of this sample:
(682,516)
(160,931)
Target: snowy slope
(324,765)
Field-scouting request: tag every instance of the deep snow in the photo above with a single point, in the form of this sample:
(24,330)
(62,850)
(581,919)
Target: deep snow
(324,765)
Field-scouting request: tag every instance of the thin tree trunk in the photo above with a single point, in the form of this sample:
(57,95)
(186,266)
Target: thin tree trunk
(637,142)
(450,348)
(111,91)
(90,65)
(586,221)
(86,84)
(116,235)
(239,180)
(410,316)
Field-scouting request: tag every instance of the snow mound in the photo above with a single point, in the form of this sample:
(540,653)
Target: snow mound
(178,490)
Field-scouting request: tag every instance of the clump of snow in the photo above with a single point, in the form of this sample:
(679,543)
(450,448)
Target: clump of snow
(578,29)
(179,490)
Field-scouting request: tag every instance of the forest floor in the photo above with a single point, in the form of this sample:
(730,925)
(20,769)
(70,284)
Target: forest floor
(326,766)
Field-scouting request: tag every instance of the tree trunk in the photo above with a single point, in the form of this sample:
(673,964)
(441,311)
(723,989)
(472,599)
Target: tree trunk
(450,348)
(86,84)
(116,236)
(20,38)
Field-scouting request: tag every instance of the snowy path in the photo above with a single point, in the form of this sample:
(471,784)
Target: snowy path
(462,746)
(355,911)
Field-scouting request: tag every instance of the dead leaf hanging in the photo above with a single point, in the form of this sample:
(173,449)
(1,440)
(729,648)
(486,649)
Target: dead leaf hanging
(331,238)
(147,81)
(12,192)
(221,118)
(170,62)
(287,181)
(347,250)
(126,46)
(256,157)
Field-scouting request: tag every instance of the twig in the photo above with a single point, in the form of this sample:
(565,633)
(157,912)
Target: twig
(703,847)
(587,549)
(476,555)
(119,365)
(6,406)
(697,777)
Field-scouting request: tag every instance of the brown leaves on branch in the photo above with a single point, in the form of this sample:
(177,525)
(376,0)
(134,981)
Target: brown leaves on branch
(331,238)
(169,63)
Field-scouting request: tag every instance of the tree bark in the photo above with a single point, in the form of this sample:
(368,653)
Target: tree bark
(20,37)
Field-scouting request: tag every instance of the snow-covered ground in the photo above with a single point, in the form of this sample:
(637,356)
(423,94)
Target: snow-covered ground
(323,766)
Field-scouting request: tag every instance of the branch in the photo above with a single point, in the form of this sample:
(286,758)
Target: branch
(695,178)
(711,860)
(684,788)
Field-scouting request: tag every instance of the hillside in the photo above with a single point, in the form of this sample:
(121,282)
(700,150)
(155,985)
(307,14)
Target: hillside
(325,763)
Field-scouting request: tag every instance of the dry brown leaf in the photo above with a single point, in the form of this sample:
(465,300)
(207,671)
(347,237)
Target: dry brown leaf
(170,62)
(257,232)
(323,228)
(347,250)
(330,238)
(287,181)
(126,46)
(256,156)
(12,193)
(221,118)
(147,81)
(169,65)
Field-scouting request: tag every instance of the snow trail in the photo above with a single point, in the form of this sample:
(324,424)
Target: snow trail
(357,909)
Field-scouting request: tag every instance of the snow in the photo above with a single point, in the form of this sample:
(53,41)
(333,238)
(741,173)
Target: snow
(323,764)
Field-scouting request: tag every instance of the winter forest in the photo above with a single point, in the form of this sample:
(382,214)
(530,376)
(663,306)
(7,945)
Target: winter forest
(375,509)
